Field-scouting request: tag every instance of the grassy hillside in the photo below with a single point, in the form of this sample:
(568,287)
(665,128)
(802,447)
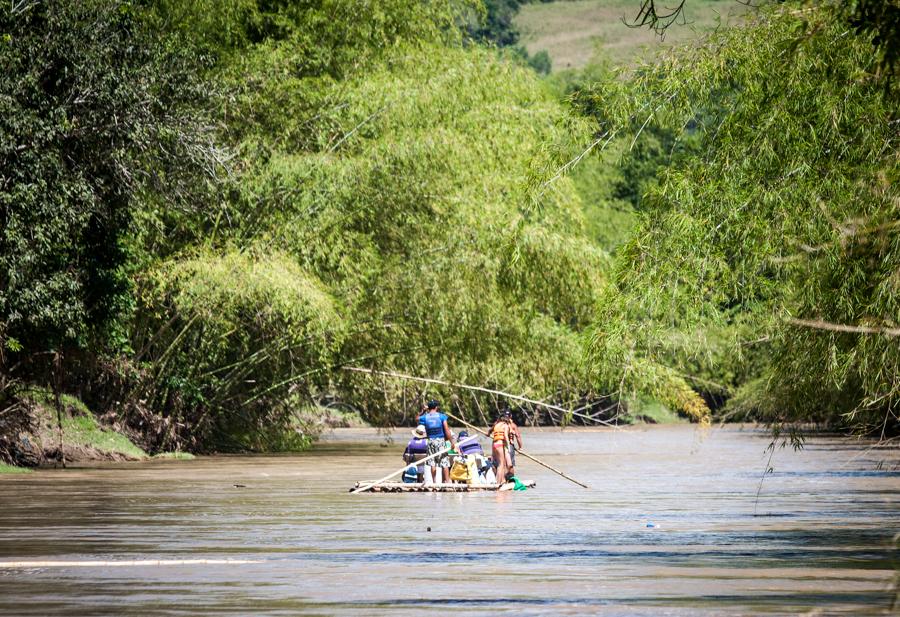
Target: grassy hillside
(570,31)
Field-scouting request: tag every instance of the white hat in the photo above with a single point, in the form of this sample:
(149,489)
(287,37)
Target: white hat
(420,431)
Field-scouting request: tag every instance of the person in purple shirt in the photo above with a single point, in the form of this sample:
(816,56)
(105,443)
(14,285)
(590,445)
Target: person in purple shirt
(438,433)
(416,450)
(470,447)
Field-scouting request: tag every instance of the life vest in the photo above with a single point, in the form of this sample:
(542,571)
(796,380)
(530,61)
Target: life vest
(471,447)
(500,432)
(417,445)
(434,424)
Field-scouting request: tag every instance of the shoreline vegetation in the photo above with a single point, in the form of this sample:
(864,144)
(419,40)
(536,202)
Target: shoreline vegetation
(288,190)
(85,438)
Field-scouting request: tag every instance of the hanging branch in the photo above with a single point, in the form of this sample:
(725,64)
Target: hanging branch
(495,393)
(57,399)
(484,419)
(818,324)
(655,19)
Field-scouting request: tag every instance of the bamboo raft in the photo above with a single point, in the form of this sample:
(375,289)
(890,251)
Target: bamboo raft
(421,487)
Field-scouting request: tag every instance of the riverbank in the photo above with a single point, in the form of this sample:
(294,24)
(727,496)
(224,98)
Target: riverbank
(35,440)
(34,436)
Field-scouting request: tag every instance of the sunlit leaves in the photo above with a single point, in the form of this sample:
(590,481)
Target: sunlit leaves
(785,213)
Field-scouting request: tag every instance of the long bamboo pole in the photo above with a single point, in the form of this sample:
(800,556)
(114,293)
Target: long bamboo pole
(366,487)
(440,382)
(522,452)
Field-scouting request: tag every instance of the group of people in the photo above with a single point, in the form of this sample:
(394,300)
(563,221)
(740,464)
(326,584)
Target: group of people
(447,457)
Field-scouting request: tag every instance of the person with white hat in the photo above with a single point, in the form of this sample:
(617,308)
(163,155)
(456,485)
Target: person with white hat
(416,450)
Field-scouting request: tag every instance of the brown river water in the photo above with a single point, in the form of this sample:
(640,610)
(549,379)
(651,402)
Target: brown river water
(293,541)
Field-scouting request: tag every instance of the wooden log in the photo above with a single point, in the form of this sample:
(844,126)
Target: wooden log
(361,489)
(419,487)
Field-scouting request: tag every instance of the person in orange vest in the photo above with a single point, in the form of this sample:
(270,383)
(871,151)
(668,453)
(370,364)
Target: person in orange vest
(500,439)
(515,440)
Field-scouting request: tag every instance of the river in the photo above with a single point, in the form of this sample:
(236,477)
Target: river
(280,535)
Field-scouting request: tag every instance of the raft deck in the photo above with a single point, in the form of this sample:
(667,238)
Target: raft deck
(421,487)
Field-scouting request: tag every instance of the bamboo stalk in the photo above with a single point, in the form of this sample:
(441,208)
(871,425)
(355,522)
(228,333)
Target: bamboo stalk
(523,453)
(480,410)
(440,382)
(366,487)
(839,327)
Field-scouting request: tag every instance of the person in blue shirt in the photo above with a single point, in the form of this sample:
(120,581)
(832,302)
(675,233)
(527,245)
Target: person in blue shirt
(416,450)
(438,432)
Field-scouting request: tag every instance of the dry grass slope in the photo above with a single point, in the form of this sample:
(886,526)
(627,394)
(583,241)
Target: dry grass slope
(571,30)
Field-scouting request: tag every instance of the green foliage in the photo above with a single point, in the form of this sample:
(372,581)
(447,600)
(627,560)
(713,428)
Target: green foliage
(215,26)
(94,110)
(540,62)
(405,190)
(386,202)
(85,432)
(226,337)
(612,185)
(789,211)
(572,267)
(11,469)
(609,220)
(878,21)
(334,34)
(80,428)
(496,24)
(653,412)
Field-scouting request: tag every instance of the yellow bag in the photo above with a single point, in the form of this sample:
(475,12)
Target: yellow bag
(459,472)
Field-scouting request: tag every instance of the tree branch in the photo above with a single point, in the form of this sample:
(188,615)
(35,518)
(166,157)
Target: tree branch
(835,327)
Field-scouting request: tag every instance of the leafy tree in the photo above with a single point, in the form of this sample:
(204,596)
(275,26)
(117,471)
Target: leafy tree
(95,110)
(329,30)
(540,62)
(381,212)
(780,233)
(497,25)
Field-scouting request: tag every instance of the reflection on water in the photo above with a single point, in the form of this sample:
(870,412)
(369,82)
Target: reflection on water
(821,537)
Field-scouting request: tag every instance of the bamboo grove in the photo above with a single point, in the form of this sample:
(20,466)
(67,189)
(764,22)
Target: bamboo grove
(209,208)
